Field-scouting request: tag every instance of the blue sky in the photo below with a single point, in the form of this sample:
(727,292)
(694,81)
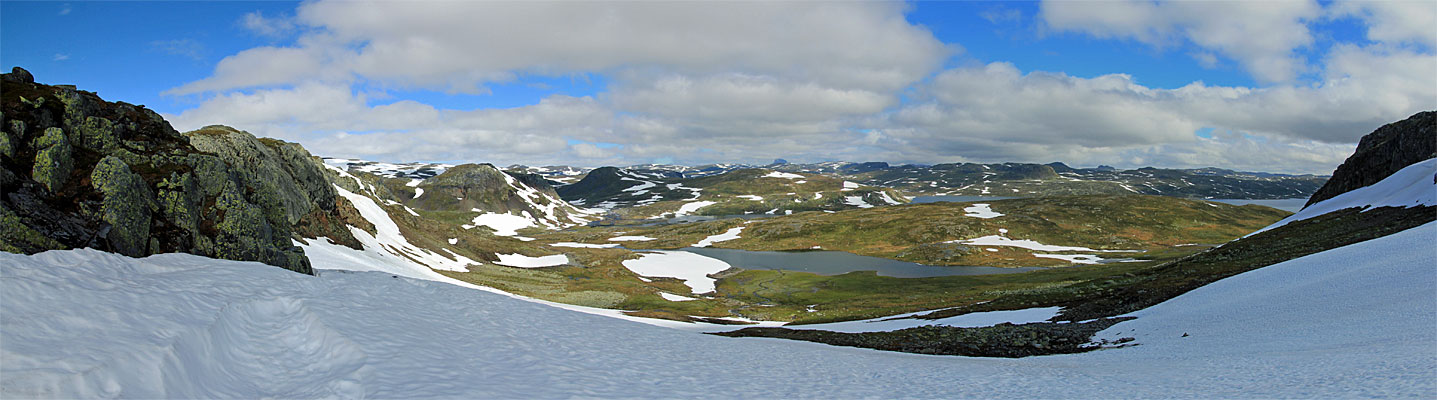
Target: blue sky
(1096,83)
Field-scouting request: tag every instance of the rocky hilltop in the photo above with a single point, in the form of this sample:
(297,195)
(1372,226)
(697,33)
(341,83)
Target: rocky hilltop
(1386,150)
(83,172)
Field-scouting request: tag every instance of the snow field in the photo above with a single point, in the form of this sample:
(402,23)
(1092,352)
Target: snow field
(996,240)
(523,261)
(856,201)
(691,207)
(980,210)
(730,234)
(630,239)
(585,245)
(1351,322)
(674,297)
(1415,185)
(692,268)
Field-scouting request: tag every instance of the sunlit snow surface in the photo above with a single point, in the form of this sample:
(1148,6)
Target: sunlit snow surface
(728,235)
(1415,185)
(692,268)
(523,261)
(998,240)
(585,245)
(980,210)
(1355,321)
(784,175)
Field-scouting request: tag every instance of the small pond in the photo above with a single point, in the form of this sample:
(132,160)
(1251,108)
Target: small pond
(837,262)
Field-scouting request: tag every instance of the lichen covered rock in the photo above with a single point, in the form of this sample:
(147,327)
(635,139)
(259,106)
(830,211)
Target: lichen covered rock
(126,209)
(52,160)
(83,172)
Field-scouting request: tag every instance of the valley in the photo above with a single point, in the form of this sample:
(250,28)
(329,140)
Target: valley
(1005,260)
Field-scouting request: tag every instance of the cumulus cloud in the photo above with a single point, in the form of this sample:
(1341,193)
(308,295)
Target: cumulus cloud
(1261,35)
(1394,21)
(332,120)
(776,74)
(750,82)
(458,46)
(997,113)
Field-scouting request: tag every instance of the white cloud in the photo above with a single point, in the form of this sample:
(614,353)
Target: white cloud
(1261,35)
(332,120)
(1394,21)
(997,113)
(459,46)
(60,57)
(277,27)
(750,82)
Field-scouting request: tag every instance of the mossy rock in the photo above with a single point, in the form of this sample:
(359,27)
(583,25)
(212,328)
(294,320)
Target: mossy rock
(127,207)
(53,161)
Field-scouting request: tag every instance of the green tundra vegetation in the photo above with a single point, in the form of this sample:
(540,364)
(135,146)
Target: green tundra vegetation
(1161,229)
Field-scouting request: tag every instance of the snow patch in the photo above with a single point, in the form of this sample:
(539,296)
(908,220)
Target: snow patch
(674,297)
(503,224)
(730,234)
(856,201)
(1408,187)
(692,268)
(585,245)
(995,240)
(980,210)
(630,239)
(523,261)
(784,175)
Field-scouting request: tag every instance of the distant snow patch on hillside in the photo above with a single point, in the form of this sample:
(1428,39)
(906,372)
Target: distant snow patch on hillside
(691,207)
(784,175)
(980,210)
(502,224)
(630,239)
(388,238)
(847,186)
(996,240)
(750,197)
(692,268)
(1073,258)
(674,297)
(523,261)
(856,201)
(585,245)
(1408,187)
(730,234)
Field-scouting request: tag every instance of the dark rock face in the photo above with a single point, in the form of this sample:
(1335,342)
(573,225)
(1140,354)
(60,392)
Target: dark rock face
(1383,152)
(83,172)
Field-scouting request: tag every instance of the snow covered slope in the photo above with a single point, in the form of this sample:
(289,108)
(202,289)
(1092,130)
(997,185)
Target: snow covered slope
(1414,185)
(1353,321)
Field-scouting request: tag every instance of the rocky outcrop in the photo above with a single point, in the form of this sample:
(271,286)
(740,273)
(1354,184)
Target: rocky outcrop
(1384,151)
(485,188)
(83,172)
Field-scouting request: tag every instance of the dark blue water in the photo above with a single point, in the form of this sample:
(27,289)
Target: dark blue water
(837,263)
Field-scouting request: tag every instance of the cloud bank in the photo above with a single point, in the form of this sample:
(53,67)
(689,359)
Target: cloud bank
(750,82)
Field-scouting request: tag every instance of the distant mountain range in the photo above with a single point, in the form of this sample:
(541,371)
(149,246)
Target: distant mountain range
(1003,179)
